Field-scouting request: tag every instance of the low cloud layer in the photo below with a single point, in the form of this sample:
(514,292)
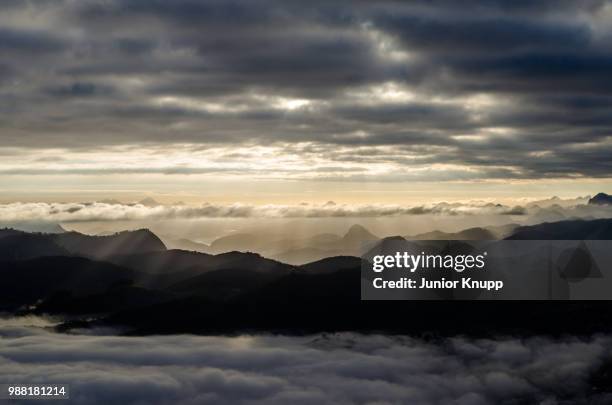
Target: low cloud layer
(329,369)
(115,211)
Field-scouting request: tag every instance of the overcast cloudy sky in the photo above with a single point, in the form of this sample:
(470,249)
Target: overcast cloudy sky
(276,101)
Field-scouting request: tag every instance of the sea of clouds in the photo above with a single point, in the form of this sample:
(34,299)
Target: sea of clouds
(345,368)
(116,211)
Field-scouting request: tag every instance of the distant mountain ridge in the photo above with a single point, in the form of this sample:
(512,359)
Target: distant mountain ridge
(34,226)
(356,241)
(332,264)
(19,245)
(127,242)
(142,248)
(466,234)
(186,244)
(176,291)
(358,234)
(596,229)
(601,199)
(25,282)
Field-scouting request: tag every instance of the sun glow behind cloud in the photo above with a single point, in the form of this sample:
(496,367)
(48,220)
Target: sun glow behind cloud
(375,102)
(301,161)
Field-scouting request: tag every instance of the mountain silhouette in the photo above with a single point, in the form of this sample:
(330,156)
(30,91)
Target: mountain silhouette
(597,229)
(391,245)
(159,262)
(306,255)
(26,282)
(139,241)
(298,251)
(18,245)
(187,244)
(358,234)
(148,202)
(295,251)
(301,303)
(10,232)
(176,291)
(332,264)
(293,303)
(119,296)
(167,268)
(225,283)
(170,261)
(601,199)
(466,234)
(34,226)
(237,241)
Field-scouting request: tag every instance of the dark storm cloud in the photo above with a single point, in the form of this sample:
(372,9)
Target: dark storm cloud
(78,89)
(579,72)
(96,73)
(413,114)
(22,41)
(465,35)
(519,6)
